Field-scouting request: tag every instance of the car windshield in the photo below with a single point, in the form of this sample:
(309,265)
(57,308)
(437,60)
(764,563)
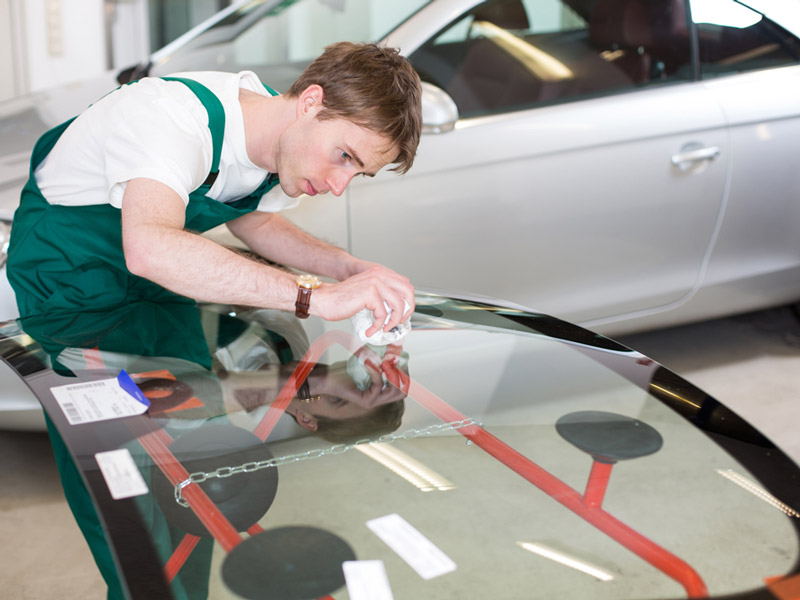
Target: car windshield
(278,39)
(532,457)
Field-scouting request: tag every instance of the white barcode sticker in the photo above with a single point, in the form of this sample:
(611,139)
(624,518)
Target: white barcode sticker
(366,580)
(100,400)
(121,474)
(413,547)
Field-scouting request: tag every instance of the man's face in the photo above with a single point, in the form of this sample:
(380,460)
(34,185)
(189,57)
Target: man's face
(319,156)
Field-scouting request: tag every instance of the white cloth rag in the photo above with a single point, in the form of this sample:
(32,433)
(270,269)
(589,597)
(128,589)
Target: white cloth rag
(364,319)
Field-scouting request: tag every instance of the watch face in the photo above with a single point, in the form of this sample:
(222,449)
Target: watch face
(308,281)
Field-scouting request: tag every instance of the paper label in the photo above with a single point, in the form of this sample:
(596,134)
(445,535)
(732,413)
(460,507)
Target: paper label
(366,580)
(413,547)
(100,400)
(121,474)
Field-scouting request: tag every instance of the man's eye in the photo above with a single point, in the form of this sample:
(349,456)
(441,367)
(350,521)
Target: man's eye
(345,156)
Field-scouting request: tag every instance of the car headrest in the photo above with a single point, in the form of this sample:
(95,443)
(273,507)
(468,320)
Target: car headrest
(634,23)
(623,23)
(506,15)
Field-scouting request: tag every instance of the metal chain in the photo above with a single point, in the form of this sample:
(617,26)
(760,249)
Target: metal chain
(251,467)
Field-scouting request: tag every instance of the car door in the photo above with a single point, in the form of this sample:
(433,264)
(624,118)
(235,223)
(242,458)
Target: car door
(585,175)
(752,67)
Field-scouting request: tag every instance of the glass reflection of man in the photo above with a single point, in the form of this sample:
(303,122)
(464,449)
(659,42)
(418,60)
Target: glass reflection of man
(342,402)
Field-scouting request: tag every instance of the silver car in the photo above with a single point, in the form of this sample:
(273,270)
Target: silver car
(623,164)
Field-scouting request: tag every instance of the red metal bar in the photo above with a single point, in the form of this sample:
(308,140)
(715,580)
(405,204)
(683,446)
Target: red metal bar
(156,444)
(202,506)
(660,558)
(598,484)
(586,507)
(179,556)
(783,587)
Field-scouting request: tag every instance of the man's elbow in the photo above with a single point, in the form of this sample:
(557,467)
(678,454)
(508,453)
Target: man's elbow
(139,256)
(137,263)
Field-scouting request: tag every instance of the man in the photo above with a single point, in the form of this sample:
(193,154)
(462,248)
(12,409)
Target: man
(116,195)
(115,199)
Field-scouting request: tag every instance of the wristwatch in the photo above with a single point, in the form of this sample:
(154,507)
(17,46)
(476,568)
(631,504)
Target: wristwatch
(305,285)
(304,395)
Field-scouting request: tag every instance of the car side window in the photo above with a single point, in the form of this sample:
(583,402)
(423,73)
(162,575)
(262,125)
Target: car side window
(733,38)
(508,55)
(278,40)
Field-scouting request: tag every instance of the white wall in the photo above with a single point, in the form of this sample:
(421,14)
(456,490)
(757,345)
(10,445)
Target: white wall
(129,32)
(11,80)
(52,42)
(64,40)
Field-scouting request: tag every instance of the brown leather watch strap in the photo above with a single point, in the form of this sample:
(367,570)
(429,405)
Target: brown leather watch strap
(305,285)
(303,302)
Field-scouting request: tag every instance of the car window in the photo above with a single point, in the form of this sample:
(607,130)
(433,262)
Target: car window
(733,38)
(513,54)
(286,35)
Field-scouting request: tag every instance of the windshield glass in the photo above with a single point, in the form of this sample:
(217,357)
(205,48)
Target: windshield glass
(532,458)
(278,39)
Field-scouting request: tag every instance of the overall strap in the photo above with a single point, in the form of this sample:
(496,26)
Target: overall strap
(216,124)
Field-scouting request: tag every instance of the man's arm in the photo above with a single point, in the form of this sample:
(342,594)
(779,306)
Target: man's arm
(272,236)
(157,248)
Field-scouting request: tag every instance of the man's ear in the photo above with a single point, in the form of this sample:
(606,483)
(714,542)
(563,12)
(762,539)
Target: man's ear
(306,420)
(310,100)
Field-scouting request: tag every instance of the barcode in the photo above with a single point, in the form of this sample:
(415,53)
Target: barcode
(73,414)
(83,386)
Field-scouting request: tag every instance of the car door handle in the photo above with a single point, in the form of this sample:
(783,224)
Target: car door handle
(684,159)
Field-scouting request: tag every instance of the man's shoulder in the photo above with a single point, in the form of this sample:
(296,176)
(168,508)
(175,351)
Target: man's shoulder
(220,81)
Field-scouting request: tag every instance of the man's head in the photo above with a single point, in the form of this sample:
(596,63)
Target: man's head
(370,423)
(372,87)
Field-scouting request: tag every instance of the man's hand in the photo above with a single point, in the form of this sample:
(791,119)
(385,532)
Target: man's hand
(370,288)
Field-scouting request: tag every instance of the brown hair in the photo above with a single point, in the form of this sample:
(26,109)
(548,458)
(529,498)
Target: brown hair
(383,419)
(373,87)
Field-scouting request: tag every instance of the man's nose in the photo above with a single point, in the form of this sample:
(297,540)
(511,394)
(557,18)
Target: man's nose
(338,181)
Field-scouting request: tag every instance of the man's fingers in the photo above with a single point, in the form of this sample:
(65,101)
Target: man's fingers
(380,314)
(410,310)
(397,293)
(388,295)
(401,313)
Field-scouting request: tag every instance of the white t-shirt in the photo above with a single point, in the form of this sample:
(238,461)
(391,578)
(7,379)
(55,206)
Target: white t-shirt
(158,130)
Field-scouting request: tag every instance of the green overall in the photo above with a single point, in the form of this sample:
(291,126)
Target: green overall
(64,259)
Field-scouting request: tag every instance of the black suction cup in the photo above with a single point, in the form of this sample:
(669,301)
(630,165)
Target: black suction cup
(242,498)
(288,563)
(609,437)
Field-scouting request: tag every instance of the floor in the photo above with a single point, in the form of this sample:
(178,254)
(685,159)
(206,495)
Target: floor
(750,362)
